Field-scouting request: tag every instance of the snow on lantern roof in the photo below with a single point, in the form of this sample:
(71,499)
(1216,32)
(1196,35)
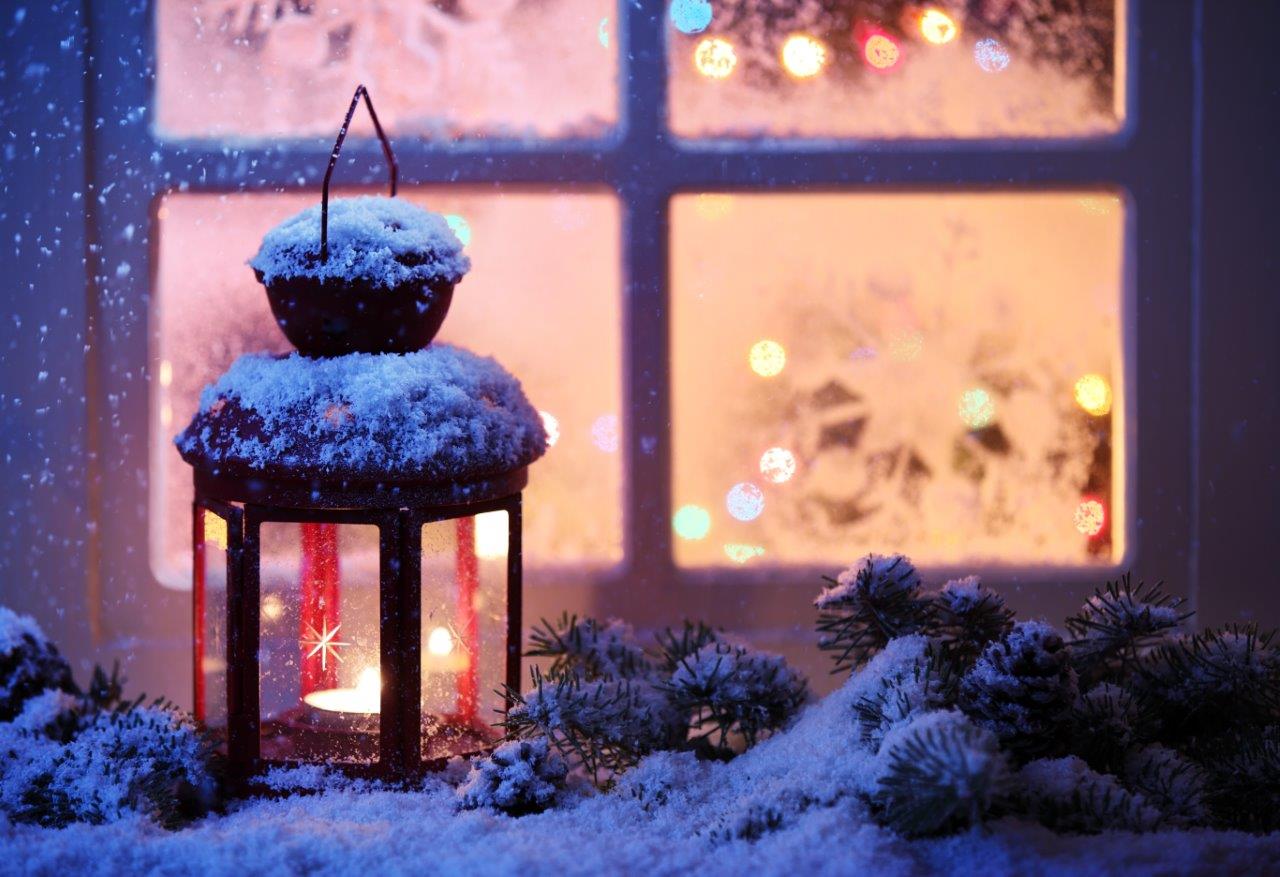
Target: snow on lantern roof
(383,241)
(440,415)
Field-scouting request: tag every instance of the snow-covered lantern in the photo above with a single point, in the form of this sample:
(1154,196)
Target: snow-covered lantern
(358,505)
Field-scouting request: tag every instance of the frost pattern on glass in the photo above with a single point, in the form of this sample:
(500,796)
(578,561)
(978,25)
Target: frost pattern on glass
(899,69)
(437,68)
(543,298)
(928,400)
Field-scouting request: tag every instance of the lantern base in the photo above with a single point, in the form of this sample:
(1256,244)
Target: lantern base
(308,736)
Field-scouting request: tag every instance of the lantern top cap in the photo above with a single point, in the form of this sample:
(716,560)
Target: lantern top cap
(383,242)
(442,415)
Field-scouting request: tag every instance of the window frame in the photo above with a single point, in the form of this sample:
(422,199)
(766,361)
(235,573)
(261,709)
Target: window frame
(1147,160)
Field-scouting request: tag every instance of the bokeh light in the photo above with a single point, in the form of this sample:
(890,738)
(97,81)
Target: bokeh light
(937,27)
(777,465)
(491,535)
(715,58)
(604,433)
(1093,394)
(991,55)
(804,56)
(602,32)
(691,522)
(460,227)
(215,530)
(272,607)
(767,358)
(690,16)
(881,52)
(551,426)
(1090,517)
(740,553)
(977,409)
(439,641)
(745,501)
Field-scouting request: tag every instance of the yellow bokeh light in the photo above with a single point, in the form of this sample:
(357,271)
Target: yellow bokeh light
(715,58)
(767,358)
(803,55)
(166,373)
(215,530)
(778,465)
(491,535)
(741,553)
(977,409)
(880,51)
(1093,394)
(1090,517)
(272,607)
(937,27)
(440,641)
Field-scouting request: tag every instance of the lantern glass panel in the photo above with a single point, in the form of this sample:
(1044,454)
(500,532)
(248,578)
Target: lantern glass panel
(464,629)
(319,658)
(211,620)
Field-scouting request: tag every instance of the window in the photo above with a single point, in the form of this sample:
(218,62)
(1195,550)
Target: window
(523,302)
(637,225)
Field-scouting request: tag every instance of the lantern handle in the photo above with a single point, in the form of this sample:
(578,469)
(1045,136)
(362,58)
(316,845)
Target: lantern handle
(361,91)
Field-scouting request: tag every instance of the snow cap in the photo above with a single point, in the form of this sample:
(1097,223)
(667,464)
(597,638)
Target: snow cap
(442,414)
(383,241)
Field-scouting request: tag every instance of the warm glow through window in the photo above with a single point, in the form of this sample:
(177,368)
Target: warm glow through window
(931,397)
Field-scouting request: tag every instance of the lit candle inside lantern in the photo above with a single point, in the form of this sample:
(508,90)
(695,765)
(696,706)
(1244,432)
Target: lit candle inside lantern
(365,698)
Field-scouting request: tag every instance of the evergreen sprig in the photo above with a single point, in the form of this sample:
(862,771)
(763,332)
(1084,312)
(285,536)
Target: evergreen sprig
(868,605)
(966,617)
(1118,624)
(725,689)
(602,726)
(929,683)
(1243,791)
(588,648)
(1218,681)
(945,775)
(674,647)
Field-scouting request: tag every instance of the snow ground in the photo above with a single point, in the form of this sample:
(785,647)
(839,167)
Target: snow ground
(783,807)
(419,833)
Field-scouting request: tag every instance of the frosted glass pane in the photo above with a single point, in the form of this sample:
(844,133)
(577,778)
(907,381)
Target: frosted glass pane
(894,68)
(938,374)
(441,69)
(544,282)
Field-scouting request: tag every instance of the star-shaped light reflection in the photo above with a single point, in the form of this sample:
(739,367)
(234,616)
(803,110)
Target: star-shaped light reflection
(324,644)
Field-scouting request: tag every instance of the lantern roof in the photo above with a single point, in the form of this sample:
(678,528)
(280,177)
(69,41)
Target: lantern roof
(441,415)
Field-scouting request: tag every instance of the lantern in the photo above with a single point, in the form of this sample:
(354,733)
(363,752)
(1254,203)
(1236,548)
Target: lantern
(357,515)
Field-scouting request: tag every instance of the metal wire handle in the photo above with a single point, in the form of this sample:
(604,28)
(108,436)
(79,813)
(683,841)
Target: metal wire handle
(361,92)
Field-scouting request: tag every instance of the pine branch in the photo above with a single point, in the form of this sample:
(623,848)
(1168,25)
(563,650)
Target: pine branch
(674,648)
(729,689)
(1244,787)
(868,605)
(588,649)
(967,616)
(943,774)
(602,726)
(929,683)
(1215,682)
(1118,624)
